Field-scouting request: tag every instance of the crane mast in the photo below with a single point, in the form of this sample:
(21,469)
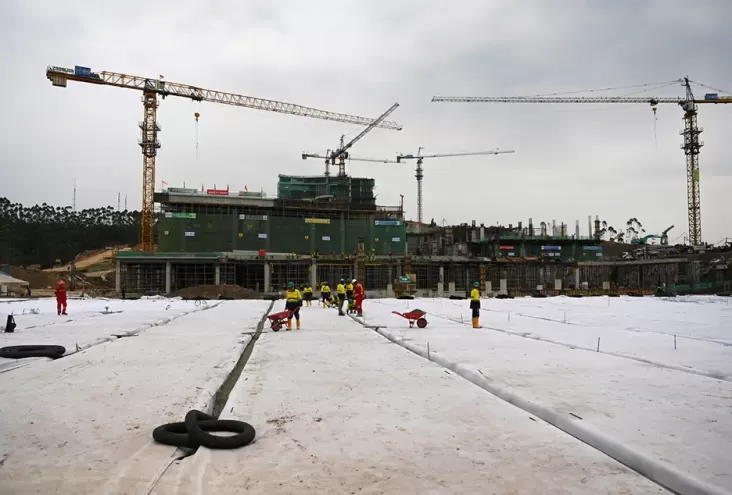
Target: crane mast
(419,172)
(691,132)
(152,88)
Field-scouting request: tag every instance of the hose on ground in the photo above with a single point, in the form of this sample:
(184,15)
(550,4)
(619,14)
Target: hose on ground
(193,432)
(26,351)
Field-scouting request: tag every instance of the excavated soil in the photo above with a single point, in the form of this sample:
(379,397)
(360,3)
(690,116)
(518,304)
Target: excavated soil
(216,292)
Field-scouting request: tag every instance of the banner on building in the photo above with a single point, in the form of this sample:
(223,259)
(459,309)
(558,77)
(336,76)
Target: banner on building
(180,215)
(217,192)
(592,248)
(551,248)
(181,190)
(262,236)
(387,223)
(326,237)
(396,239)
(322,221)
(190,234)
(506,248)
(262,218)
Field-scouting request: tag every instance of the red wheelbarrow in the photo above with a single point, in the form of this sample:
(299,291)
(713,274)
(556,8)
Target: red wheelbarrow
(278,320)
(415,315)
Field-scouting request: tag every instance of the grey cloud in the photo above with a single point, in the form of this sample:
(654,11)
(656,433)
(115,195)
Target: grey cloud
(359,57)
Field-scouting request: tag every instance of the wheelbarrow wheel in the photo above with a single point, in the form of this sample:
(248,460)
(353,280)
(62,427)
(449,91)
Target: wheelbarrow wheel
(421,323)
(276,327)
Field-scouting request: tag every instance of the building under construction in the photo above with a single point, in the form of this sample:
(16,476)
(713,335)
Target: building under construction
(323,228)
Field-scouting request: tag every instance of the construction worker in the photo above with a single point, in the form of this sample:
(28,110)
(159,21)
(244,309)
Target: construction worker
(294,302)
(359,295)
(307,294)
(475,304)
(349,290)
(325,294)
(341,291)
(61,297)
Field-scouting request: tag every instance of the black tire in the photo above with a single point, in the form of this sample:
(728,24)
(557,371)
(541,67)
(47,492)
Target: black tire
(26,351)
(192,433)
(457,298)
(421,323)
(407,298)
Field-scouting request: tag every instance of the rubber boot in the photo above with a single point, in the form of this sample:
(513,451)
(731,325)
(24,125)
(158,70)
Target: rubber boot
(289,325)
(298,324)
(476,322)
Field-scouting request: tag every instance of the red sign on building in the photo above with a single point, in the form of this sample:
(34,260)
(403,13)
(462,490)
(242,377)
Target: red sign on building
(218,192)
(505,248)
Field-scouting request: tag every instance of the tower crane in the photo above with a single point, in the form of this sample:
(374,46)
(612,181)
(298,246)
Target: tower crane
(152,88)
(341,154)
(420,175)
(327,158)
(691,131)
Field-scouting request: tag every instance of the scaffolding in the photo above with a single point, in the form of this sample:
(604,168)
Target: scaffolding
(332,273)
(143,278)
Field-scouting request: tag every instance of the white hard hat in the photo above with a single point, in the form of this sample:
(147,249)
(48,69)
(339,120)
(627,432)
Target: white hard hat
(354,281)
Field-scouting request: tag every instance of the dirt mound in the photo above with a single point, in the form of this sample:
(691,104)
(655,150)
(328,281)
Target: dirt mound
(216,292)
(36,278)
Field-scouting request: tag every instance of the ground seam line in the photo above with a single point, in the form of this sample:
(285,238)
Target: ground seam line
(653,469)
(211,402)
(537,338)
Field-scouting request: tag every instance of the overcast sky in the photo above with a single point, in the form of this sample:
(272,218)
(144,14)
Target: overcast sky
(359,57)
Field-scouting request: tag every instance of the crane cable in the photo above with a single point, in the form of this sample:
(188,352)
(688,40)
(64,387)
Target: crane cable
(196,115)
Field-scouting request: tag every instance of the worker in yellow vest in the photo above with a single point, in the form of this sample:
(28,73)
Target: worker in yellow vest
(325,294)
(293,303)
(349,291)
(341,291)
(475,304)
(307,294)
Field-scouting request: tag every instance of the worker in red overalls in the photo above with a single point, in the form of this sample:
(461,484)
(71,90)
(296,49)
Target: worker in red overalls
(358,295)
(61,297)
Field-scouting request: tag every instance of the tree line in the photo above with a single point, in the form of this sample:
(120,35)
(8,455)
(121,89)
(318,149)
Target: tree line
(42,234)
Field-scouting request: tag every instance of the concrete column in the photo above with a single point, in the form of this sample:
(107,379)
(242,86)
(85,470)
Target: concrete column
(217,274)
(488,287)
(167,277)
(557,284)
(389,275)
(503,289)
(389,290)
(118,278)
(313,273)
(441,283)
(606,286)
(267,278)
(451,288)
(577,278)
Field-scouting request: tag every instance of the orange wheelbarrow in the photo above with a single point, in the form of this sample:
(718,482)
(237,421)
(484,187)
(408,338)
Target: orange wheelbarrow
(416,315)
